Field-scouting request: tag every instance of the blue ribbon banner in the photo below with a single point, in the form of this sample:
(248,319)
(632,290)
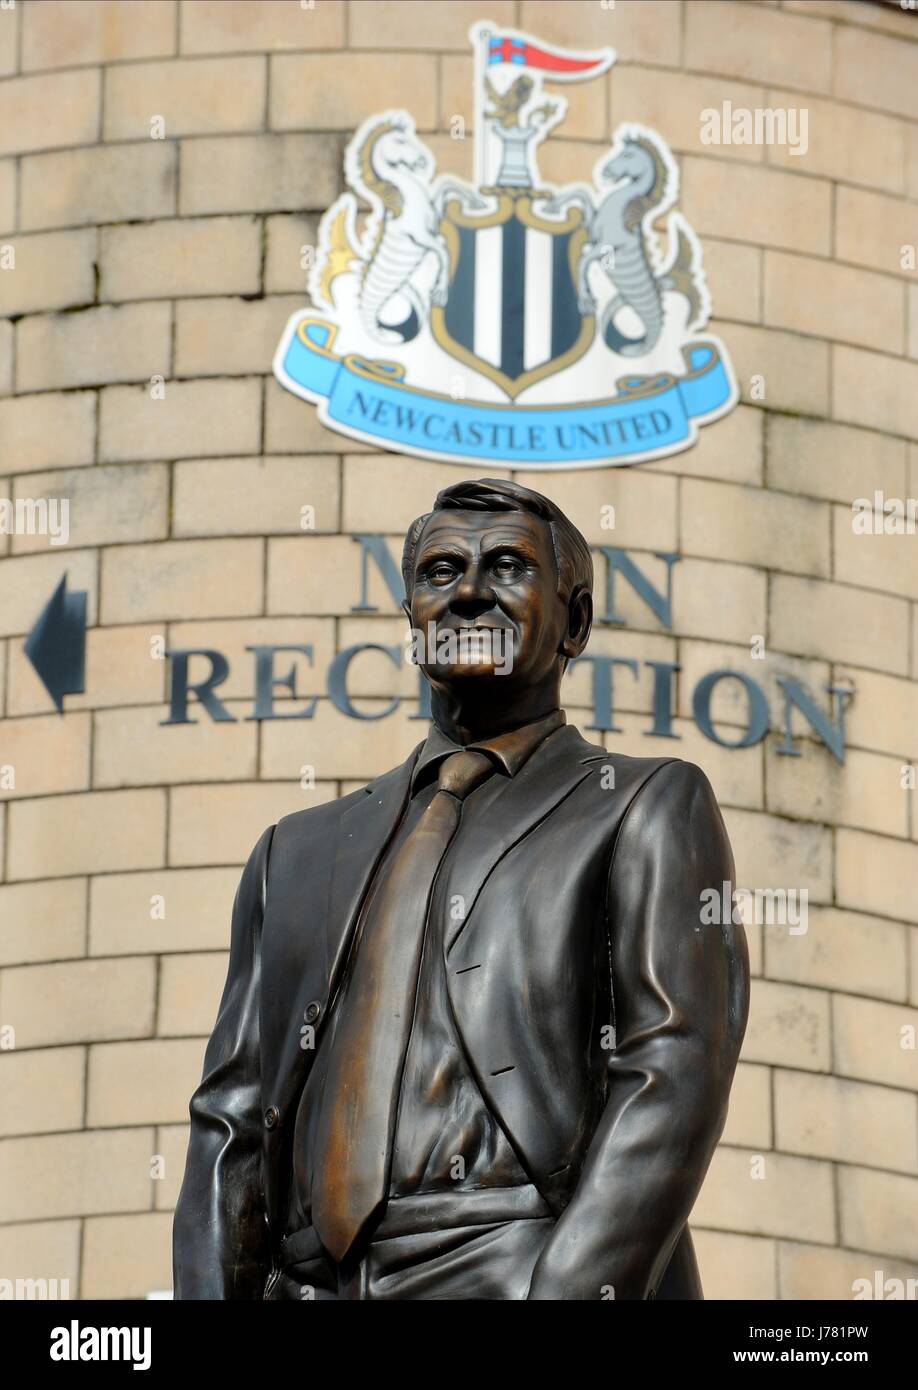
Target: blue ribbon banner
(649,415)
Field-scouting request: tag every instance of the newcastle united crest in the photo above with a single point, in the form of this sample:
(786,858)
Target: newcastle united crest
(511,321)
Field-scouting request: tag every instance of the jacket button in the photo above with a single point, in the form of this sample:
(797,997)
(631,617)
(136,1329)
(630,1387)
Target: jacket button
(272,1115)
(312,1012)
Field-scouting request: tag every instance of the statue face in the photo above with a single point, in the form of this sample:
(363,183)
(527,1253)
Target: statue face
(485,600)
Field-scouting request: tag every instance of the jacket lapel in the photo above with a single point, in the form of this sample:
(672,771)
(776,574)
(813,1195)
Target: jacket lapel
(363,835)
(552,772)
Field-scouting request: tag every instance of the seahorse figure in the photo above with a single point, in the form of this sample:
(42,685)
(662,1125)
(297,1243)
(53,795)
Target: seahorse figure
(640,185)
(388,166)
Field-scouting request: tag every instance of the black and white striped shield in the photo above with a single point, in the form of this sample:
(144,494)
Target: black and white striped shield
(512,312)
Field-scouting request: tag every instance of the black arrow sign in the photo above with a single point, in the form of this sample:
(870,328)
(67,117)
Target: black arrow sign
(56,646)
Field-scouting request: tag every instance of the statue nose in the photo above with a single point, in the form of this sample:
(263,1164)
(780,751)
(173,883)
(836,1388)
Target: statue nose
(473,595)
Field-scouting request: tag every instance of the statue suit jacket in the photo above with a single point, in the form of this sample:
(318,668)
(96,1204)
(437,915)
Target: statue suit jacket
(601,1017)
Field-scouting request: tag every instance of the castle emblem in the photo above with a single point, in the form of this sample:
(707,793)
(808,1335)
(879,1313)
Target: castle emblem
(510,321)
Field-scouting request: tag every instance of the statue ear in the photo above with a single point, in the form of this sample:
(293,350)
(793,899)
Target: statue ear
(579,622)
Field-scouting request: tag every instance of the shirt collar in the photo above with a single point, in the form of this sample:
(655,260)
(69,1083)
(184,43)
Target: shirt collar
(509,751)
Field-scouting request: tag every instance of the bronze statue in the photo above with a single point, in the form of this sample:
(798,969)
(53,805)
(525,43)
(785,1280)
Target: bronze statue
(476,1040)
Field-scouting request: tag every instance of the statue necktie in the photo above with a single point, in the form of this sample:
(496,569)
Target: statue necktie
(370,1040)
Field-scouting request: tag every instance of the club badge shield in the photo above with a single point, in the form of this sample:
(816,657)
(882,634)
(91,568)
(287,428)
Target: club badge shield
(511,320)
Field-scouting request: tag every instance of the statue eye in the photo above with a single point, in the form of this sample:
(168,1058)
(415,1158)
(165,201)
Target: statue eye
(441,573)
(508,567)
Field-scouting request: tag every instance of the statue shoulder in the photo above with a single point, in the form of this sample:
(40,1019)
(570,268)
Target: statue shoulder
(314,822)
(628,777)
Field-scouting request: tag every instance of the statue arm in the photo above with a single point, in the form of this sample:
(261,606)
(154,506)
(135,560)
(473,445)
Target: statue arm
(681,992)
(220,1236)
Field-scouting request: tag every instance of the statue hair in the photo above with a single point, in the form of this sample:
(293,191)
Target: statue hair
(572,554)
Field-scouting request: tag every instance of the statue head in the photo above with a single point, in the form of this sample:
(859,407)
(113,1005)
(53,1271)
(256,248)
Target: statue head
(498,585)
